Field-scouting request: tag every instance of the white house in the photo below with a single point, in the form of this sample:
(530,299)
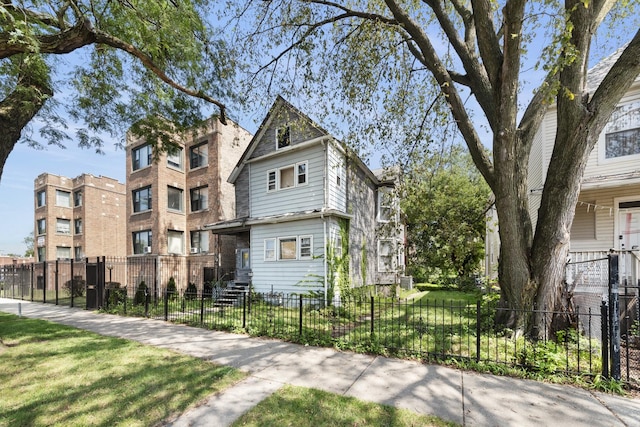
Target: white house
(608,212)
(310,216)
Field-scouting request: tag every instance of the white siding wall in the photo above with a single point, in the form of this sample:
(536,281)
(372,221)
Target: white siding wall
(605,218)
(337,169)
(296,199)
(288,276)
(598,165)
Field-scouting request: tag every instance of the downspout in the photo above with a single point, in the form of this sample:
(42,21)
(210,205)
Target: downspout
(325,180)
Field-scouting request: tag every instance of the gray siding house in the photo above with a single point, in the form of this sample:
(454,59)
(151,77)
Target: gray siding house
(310,215)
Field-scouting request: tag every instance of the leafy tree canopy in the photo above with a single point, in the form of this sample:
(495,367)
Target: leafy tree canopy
(137,62)
(445,201)
(378,67)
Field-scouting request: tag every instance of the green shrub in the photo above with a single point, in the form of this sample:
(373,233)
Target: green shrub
(172,290)
(75,287)
(191,292)
(116,294)
(140,296)
(208,289)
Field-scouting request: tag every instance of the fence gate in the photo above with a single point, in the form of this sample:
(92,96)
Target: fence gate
(95,286)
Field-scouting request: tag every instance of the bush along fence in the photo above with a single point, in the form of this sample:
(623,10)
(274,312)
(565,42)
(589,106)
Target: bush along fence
(421,328)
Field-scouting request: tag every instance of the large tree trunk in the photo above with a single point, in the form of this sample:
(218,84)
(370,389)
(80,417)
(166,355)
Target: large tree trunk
(20,106)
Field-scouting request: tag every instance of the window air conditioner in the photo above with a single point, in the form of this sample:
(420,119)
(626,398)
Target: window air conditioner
(147,250)
(195,250)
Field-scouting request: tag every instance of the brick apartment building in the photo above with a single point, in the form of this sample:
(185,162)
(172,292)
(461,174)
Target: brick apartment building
(171,200)
(77,218)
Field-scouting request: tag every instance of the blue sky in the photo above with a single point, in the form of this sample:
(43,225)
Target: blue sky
(22,168)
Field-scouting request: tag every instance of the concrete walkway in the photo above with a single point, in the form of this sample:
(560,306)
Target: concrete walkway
(466,398)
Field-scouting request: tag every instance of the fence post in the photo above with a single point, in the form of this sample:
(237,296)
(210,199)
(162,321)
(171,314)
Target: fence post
(372,307)
(72,283)
(300,318)
(166,304)
(478,330)
(202,308)
(244,310)
(604,332)
(614,312)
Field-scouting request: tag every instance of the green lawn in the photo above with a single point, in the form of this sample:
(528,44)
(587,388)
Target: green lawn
(54,375)
(303,407)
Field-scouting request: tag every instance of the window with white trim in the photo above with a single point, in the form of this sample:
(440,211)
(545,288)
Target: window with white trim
(63,198)
(77,226)
(283,137)
(386,255)
(306,247)
(270,249)
(289,176)
(287,248)
(141,157)
(622,133)
(63,226)
(385,204)
(77,253)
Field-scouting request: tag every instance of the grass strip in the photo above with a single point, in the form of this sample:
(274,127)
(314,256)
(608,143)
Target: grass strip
(306,407)
(55,375)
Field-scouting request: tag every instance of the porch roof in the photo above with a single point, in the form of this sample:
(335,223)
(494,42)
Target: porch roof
(607,181)
(239,225)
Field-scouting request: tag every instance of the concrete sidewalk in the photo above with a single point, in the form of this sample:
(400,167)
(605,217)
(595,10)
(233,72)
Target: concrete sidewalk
(466,398)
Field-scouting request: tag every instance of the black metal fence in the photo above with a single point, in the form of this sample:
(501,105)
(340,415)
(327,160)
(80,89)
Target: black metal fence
(412,328)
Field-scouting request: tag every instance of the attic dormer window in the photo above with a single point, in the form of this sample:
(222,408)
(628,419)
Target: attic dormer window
(283,136)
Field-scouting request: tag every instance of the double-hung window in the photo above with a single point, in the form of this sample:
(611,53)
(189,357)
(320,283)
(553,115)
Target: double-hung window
(63,252)
(622,133)
(174,159)
(77,198)
(270,249)
(141,157)
(42,226)
(142,242)
(77,226)
(199,156)
(386,255)
(175,242)
(142,199)
(63,198)
(199,199)
(306,247)
(174,199)
(41,198)
(199,241)
(63,226)
(386,204)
